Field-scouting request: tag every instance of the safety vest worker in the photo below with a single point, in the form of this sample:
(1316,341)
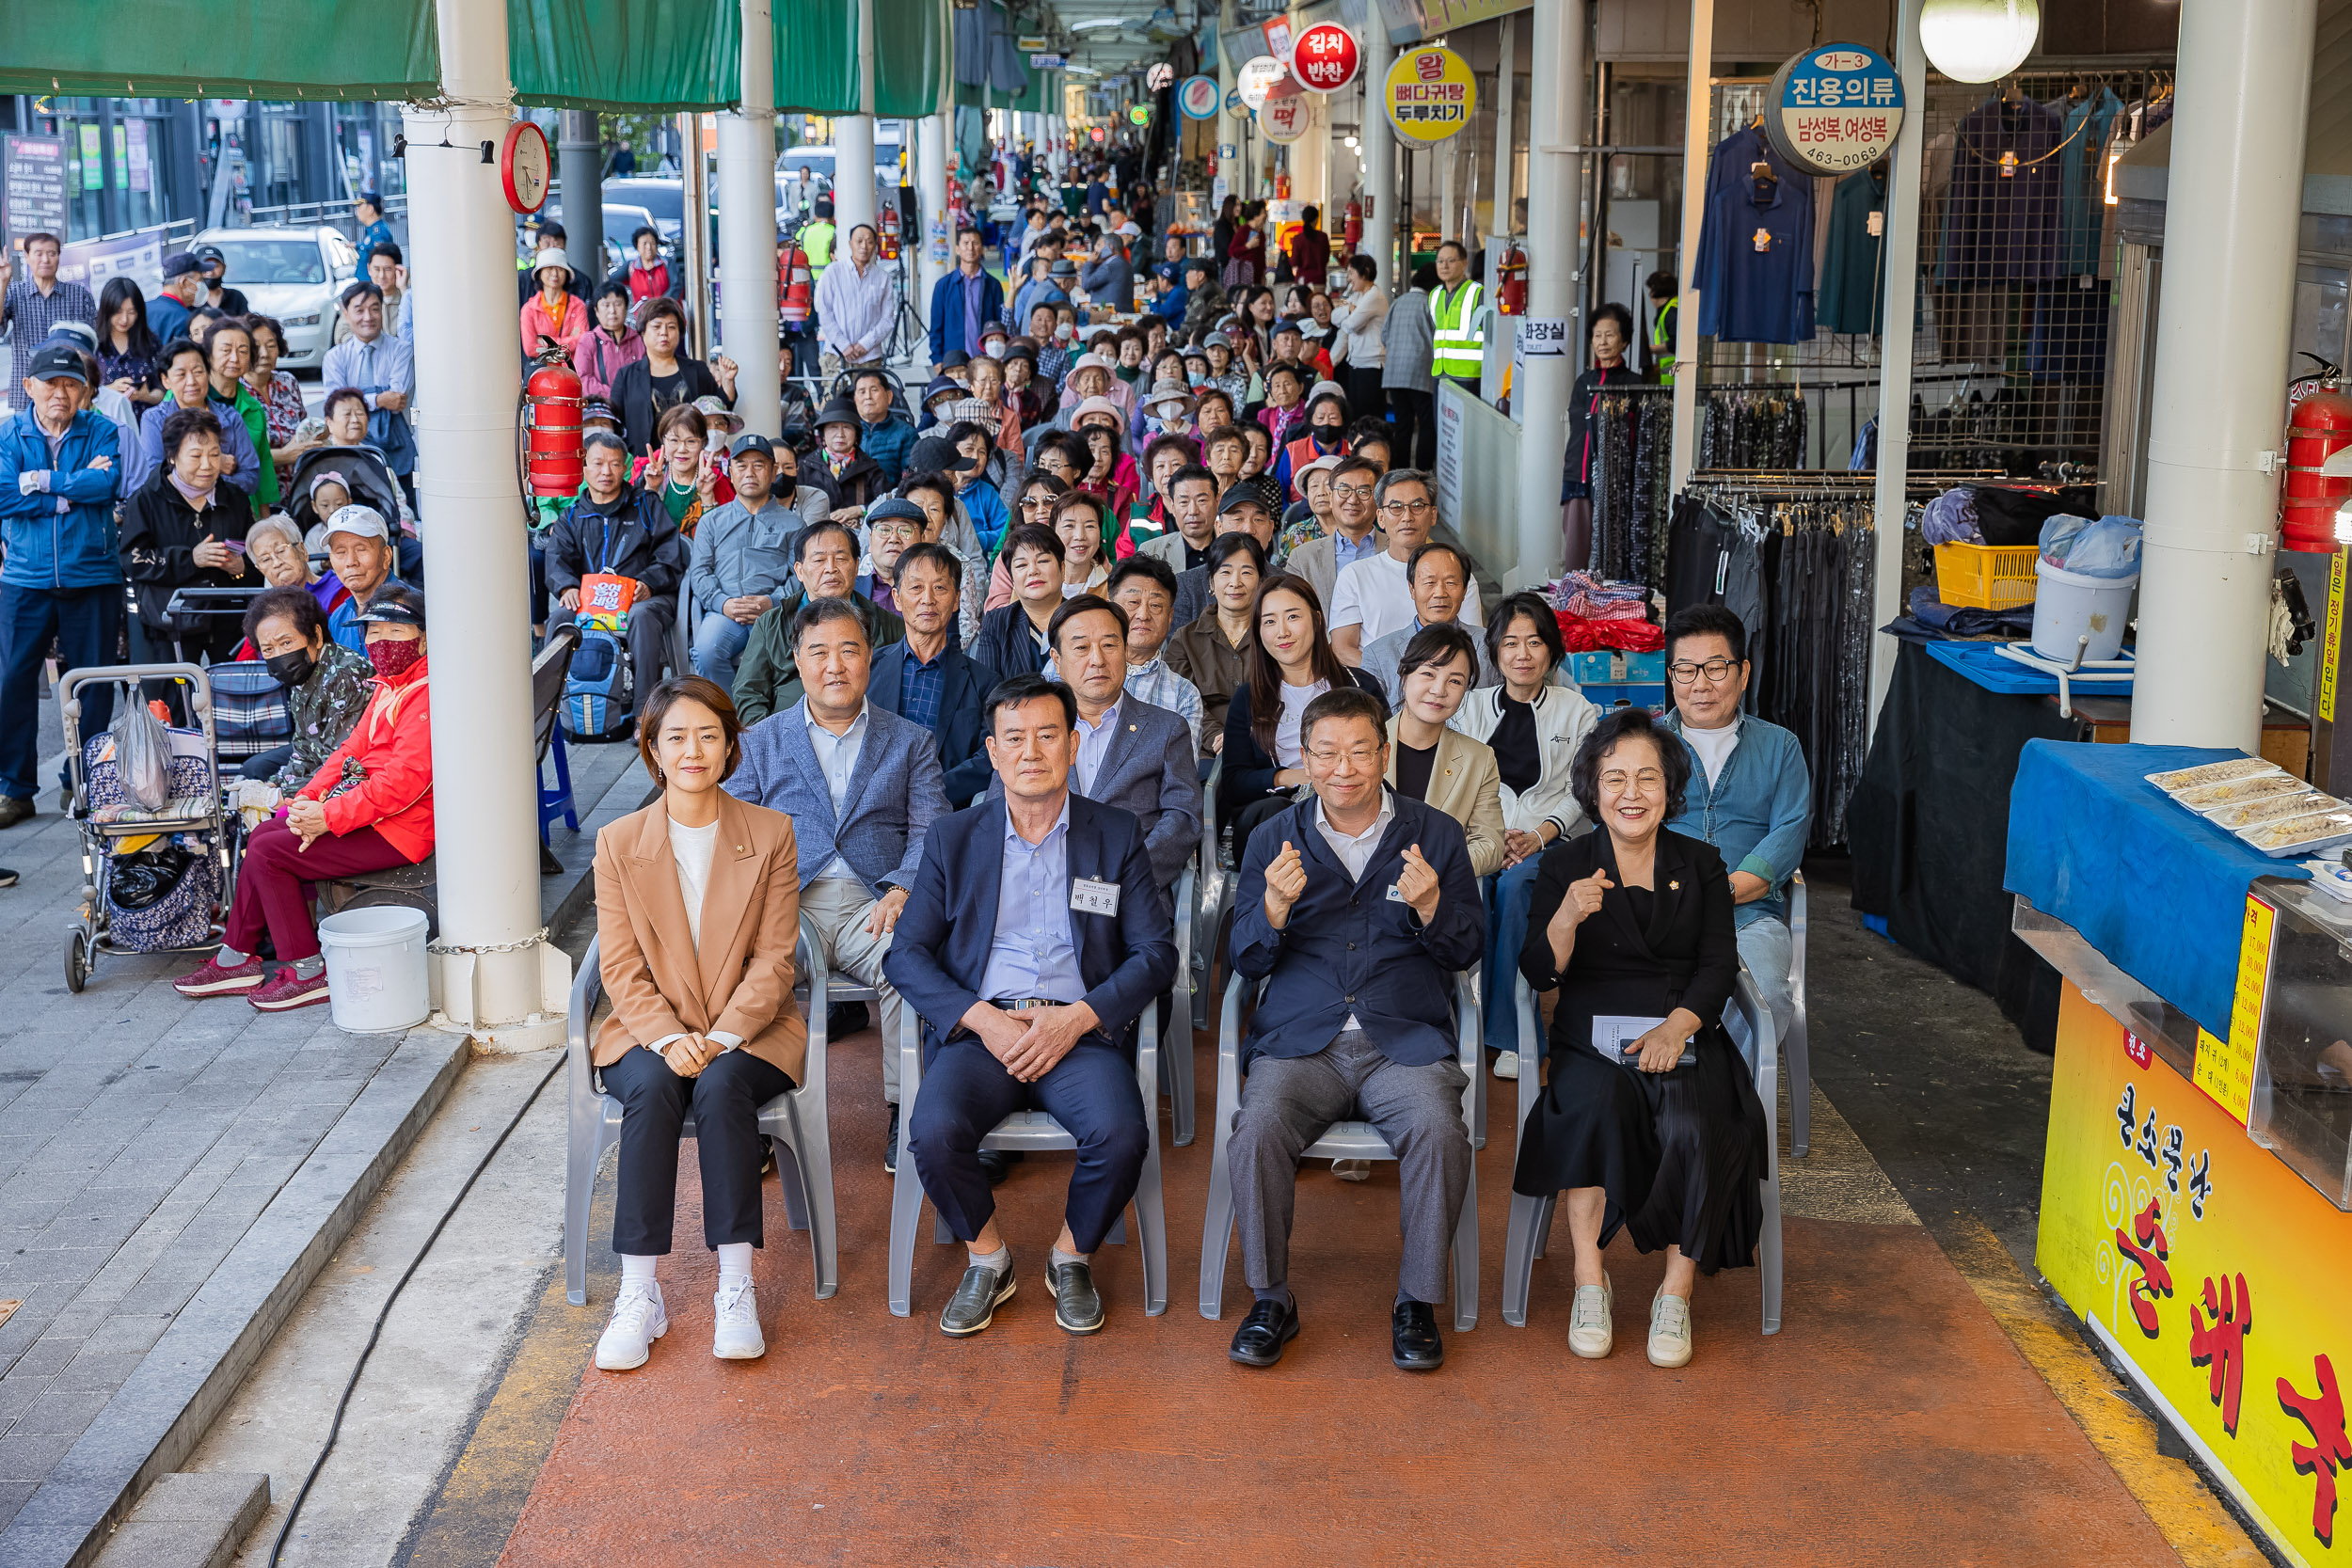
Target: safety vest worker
(1665,313)
(1458,344)
(817,238)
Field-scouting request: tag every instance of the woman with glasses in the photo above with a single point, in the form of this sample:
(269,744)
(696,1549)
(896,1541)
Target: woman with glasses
(1290,664)
(1651,1122)
(1533,727)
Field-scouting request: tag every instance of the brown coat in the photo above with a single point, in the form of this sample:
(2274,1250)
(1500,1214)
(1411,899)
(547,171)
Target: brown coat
(1201,653)
(741,980)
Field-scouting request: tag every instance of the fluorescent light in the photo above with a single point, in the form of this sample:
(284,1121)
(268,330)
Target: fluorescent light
(1097,22)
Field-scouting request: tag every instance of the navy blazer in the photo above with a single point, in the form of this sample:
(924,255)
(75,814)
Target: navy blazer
(1248,769)
(1348,947)
(1150,770)
(893,801)
(961,735)
(1005,647)
(939,953)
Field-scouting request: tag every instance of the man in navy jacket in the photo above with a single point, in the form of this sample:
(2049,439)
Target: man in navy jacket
(1356,907)
(1034,938)
(928,679)
(965,301)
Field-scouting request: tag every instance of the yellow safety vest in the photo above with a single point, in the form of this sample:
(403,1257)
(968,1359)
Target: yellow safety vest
(1457,347)
(817,243)
(1662,338)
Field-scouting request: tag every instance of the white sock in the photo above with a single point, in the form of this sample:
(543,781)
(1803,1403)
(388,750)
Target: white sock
(229,958)
(1060,1258)
(999,1262)
(637,1268)
(735,1260)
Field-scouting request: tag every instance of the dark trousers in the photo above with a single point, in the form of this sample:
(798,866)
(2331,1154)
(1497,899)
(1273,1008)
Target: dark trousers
(274,879)
(1365,398)
(649,621)
(724,1099)
(1415,414)
(1246,821)
(1091,1092)
(84,622)
(265,765)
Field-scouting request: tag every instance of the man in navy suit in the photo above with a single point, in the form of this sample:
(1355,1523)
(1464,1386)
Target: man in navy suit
(1131,755)
(862,787)
(1356,907)
(1036,937)
(926,678)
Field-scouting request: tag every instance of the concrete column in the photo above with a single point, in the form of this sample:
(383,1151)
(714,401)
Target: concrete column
(1554,179)
(1901,258)
(580,167)
(853,137)
(932,253)
(2232,213)
(1696,143)
(496,977)
(1379,147)
(1499,219)
(695,235)
(747,230)
(1229,126)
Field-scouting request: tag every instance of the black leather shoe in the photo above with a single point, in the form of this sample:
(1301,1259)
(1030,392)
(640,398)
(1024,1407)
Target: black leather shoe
(1078,1306)
(998,1164)
(1413,1337)
(972,1307)
(890,1144)
(1271,1324)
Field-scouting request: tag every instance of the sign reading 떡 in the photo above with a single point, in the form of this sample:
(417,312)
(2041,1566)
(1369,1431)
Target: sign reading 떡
(1835,110)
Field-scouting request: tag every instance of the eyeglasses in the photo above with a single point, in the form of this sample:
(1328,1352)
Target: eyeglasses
(1351,492)
(894,528)
(1412,509)
(1648,780)
(1715,670)
(1362,756)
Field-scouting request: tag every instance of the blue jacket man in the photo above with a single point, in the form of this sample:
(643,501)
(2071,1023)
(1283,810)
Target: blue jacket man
(954,725)
(965,301)
(59,467)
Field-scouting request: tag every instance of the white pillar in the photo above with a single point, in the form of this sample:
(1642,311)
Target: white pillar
(1696,143)
(747,231)
(477,572)
(2233,209)
(581,185)
(1379,149)
(695,235)
(1554,179)
(1900,286)
(931,251)
(853,137)
(1499,217)
(1229,126)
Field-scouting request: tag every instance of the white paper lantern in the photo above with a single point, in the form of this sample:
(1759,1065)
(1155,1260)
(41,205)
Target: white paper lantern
(1978,41)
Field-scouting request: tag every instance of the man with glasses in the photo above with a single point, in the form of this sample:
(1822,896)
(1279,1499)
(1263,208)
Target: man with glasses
(1439,578)
(1356,907)
(892,526)
(1374,594)
(1750,795)
(1355,527)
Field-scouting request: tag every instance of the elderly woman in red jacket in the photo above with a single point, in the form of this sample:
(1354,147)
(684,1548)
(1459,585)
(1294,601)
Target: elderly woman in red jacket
(368,808)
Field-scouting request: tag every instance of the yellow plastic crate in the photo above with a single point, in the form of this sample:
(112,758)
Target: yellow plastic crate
(1986,577)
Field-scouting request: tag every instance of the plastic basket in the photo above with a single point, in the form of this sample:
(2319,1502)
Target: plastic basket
(1986,577)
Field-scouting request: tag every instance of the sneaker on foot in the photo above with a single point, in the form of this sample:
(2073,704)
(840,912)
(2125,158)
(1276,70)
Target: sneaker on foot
(638,1320)
(1352,1170)
(211,979)
(7,877)
(1669,1331)
(1591,1324)
(736,1335)
(289,990)
(1506,1064)
(15,809)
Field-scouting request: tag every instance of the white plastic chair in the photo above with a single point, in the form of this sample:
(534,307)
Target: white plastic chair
(1342,1140)
(1800,1058)
(1749,1023)
(1033,1132)
(793,1123)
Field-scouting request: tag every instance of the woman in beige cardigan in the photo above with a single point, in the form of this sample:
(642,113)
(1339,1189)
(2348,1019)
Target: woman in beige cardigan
(1444,768)
(697,908)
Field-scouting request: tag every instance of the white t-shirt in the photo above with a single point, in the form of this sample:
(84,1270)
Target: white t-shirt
(690,848)
(1714,747)
(1370,592)
(1287,750)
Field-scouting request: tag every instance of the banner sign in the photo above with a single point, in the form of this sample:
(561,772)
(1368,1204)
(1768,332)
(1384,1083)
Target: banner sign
(1429,95)
(1835,110)
(1284,119)
(1325,58)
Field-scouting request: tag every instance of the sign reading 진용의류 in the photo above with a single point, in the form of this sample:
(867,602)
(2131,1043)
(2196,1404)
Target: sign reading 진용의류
(1835,110)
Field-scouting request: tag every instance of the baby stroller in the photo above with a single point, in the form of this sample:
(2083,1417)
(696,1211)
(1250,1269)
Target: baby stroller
(154,881)
(370,481)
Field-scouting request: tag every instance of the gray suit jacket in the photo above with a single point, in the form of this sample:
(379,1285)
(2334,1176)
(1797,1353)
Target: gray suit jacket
(1317,560)
(1382,654)
(894,795)
(1150,770)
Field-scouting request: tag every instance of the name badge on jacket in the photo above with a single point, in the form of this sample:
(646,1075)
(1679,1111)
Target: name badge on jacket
(1396,894)
(1088,896)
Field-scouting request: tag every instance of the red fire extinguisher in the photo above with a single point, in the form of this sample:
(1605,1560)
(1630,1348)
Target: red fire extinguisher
(1352,231)
(890,233)
(552,430)
(799,300)
(2319,424)
(1511,268)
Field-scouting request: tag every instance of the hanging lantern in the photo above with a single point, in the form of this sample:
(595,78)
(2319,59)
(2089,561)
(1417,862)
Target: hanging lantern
(1978,41)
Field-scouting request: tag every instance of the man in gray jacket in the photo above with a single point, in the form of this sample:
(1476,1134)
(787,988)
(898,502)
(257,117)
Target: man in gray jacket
(1108,280)
(742,558)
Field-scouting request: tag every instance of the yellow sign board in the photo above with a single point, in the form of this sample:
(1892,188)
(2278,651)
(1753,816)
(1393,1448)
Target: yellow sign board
(1430,94)
(2225,1068)
(2331,647)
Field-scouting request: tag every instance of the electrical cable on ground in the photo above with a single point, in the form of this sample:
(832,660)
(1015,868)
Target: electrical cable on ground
(352,1383)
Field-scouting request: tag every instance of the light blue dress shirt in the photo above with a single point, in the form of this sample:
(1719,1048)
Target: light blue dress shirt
(1094,744)
(1034,952)
(836,755)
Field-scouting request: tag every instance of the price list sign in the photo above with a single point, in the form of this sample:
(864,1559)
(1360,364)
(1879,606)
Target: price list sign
(32,185)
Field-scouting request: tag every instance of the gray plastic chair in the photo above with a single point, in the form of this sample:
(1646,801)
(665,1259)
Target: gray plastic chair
(1750,1025)
(1215,875)
(1342,1140)
(793,1123)
(1032,1132)
(1800,1058)
(1181,1074)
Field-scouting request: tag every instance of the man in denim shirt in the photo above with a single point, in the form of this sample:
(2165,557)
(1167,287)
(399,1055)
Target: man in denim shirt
(1750,796)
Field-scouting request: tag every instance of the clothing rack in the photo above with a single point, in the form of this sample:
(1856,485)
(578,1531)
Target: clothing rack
(1631,432)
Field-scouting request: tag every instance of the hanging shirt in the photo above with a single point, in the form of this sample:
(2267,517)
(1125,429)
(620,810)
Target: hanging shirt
(2001,217)
(1853,276)
(2082,182)
(1756,247)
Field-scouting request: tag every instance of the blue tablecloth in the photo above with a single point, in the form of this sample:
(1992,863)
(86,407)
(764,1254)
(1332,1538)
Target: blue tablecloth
(1986,665)
(2156,888)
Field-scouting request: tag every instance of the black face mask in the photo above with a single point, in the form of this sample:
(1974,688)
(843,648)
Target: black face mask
(292,669)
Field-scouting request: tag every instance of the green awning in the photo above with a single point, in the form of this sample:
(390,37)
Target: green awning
(910,50)
(383,50)
(816,54)
(650,55)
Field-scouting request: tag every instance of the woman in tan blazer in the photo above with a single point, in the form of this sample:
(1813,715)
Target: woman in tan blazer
(1444,768)
(697,908)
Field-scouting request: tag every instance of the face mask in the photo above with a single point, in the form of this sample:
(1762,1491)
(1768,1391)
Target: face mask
(394,658)
(995,350)
(292,669)
(1064,331)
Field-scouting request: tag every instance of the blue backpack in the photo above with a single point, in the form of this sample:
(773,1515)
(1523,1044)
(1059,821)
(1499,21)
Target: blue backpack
(596,701)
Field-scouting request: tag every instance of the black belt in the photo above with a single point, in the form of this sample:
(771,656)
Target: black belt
(1009,1005)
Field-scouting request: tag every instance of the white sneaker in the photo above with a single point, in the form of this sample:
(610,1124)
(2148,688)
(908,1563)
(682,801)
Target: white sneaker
(638,1320)
(736,1334)
(1506,1064)
(1592,1322)
(1669,1331)
(1352,1170)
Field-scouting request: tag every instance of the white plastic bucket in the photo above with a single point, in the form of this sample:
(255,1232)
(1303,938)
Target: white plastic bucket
(375,978)
(2069,607)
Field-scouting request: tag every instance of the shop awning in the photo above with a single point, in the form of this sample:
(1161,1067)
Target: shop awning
(382,50)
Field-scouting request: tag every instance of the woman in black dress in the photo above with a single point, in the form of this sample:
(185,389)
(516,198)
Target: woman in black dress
(1667,1136)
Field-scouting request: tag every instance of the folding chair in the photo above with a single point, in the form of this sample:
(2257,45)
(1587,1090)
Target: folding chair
(1800,1058)
(1210,891)
(1182,991)
(1342,1140)
(1750,1023)
(554,661)
(1033,1132)
(793,1123)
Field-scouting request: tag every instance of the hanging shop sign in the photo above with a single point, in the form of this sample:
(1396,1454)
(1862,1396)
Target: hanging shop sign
(1157,78)
(1140,114)
(1429,95)
(1284,119)
(1835,110)
(1276,30)
(1259,78)
(1325,58)
(1197,98)
(525,166)
(33,198)
(1234,105)
(1048,62)
(1034,44)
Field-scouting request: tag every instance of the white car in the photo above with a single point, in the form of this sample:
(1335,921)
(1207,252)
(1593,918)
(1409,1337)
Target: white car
(294,275)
